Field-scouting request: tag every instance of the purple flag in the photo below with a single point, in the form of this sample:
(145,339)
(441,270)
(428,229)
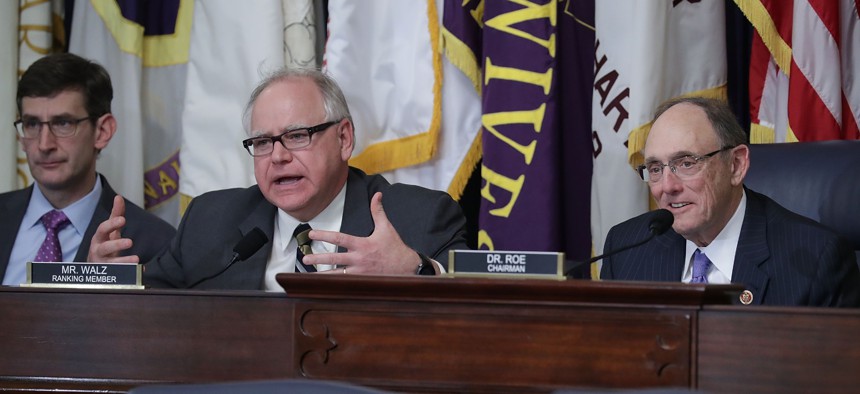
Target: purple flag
(530,59)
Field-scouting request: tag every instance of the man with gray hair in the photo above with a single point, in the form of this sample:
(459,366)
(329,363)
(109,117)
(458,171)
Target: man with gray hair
(318,213)
(695,160)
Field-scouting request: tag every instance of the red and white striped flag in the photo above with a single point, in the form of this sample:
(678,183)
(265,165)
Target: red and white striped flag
(804,54)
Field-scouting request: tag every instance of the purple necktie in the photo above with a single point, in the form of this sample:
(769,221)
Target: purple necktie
(700,267)
(54,221)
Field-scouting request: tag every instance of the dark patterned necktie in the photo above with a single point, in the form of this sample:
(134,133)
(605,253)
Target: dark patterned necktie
(701,264)
(54,221)
(301,236)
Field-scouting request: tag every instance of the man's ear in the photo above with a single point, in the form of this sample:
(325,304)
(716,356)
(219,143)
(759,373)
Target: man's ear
(105,129)
(346,137)
(740,163)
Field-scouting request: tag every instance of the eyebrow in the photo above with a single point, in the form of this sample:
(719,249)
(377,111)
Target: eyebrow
(676,155)
(285,129)
(64,115)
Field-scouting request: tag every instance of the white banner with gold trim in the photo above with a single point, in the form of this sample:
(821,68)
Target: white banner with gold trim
(646,52)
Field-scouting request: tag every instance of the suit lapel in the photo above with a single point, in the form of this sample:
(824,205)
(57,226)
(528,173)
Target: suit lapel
(11,214)
(356,209)
(752,250)
(253,269)
(670,254)
(101,214)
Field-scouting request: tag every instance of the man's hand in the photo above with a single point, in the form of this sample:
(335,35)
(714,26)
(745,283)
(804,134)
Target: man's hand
(107,242)
(382,253)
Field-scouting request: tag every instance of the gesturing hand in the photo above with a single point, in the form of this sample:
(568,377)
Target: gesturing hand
(382,253)
(107,242)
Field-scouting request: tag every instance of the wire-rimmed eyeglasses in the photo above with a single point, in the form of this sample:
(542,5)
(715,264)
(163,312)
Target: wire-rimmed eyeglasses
(29,128)
(684,167)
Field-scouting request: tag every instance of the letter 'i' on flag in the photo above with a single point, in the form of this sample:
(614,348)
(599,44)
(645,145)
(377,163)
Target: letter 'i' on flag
(144,47)
(802,65)
(645,53)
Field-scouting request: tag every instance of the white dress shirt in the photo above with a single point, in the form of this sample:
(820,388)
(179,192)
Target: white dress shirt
(283,256)
(721,251)
(31,232)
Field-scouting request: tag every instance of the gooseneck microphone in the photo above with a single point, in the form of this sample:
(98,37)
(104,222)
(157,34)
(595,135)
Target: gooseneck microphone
(248,245)
(661,220)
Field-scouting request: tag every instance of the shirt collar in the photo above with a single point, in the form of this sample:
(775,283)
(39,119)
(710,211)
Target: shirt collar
(721,251)
(329,219)
(80,213)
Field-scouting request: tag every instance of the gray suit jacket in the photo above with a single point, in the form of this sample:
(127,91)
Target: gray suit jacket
(782,258)
(428,221)
(149,232)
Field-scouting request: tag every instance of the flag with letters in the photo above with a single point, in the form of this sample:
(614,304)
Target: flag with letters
(144,47)
(536,133)
(802,64)
(645,53)
(520,169)
(171,104)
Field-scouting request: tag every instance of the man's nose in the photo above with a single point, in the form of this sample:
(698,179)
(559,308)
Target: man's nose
(670,180)
(46,137)
(280,152)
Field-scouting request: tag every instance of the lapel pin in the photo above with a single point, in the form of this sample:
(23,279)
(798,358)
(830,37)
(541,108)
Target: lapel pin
(746,297)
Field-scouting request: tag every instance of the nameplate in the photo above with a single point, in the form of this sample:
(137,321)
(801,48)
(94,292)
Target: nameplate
(84,275)
(493,263)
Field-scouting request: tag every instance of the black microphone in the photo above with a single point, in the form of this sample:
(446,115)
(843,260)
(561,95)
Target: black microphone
(248,245)
(661,220)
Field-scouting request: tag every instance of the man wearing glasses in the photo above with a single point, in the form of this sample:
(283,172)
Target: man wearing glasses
(696,158)
(317,213)
(65,121)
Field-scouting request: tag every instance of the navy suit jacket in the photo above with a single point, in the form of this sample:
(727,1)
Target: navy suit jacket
(428,221)
(782,258)
(150,234)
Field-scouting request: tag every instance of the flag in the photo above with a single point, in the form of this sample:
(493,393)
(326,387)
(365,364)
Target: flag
(384,57)
(802,65)
(576,58)
(645,53)
(536,131)
(144,47)
(8,83)
(458,147)
(40,31)
(300,33)
(520,190)
(233,45)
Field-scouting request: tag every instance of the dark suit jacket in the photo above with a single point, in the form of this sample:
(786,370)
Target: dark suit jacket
(782,258)
(149,232)
(428,221)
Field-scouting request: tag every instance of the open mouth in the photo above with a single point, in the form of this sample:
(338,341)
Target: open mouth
(287,180)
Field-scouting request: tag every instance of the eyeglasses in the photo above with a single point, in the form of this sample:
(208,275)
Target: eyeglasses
(290,139)
(685,167)
(29,128)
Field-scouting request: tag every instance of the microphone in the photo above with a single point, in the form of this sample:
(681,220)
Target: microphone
(661,220)
(248,245)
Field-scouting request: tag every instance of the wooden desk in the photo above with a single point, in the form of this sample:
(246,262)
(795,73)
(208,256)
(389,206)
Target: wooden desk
(114,340)
(421,334)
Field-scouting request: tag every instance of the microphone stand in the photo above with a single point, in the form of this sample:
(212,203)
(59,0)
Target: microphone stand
(577,264)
